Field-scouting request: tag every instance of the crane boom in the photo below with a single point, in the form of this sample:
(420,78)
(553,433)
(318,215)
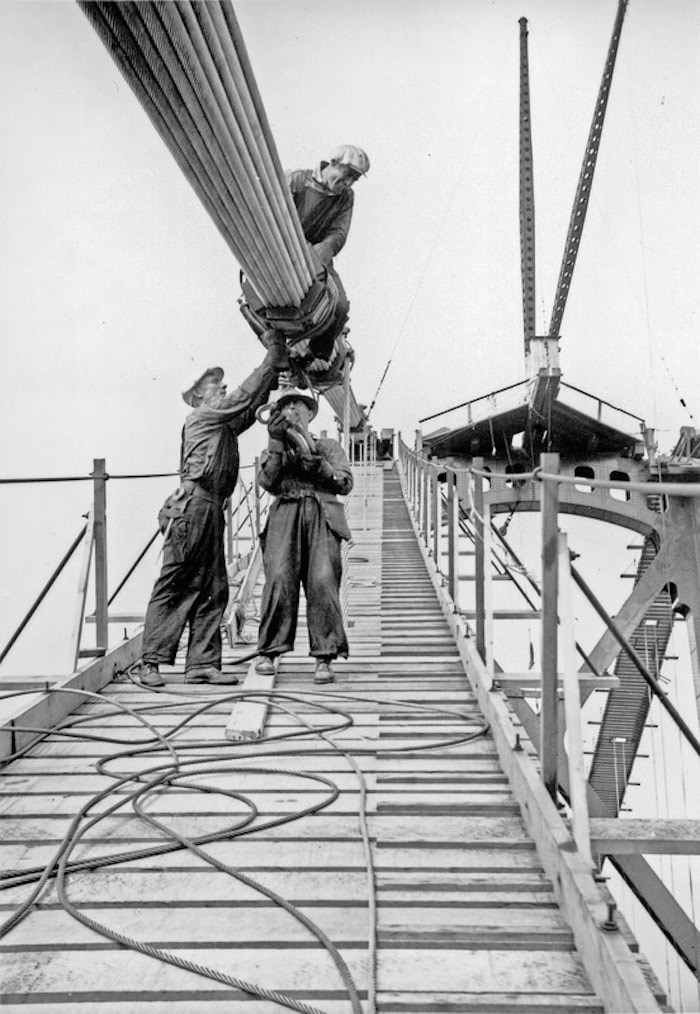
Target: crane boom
(527,195)
(583,190)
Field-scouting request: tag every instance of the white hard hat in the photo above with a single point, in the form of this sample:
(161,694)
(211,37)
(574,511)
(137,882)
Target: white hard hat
(286,394)
(350,154)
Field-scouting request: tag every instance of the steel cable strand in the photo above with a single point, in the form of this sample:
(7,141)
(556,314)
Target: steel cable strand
(207,47)
(205,87)
(173,959)
(362,819)
(369,863)
(44,732)
(228,61)
(189,844)
(75,833)
(267,141)
(23,876)
(160,98)
(152,17)
(29,903)
(66,726)
(127,56)
(167,777)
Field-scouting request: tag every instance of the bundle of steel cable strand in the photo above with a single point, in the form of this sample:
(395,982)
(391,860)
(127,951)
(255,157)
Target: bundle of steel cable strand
(188,66)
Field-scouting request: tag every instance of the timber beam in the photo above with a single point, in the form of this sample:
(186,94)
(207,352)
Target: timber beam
(613,837)
(46,708)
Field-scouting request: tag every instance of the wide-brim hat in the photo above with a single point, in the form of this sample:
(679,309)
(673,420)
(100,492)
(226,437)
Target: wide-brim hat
(295,394)
(213,371)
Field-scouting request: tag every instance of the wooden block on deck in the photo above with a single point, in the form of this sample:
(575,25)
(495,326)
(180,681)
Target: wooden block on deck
(248,717)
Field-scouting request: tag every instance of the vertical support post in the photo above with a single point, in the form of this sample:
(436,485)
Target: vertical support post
(99,513)
(426,503)
(452,538)
(437,518)
(572,707)
(480,558)
(488,592)
(549,731)
(83,580)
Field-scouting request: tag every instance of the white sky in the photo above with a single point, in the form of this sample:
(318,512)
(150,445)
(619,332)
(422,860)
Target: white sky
(117,289)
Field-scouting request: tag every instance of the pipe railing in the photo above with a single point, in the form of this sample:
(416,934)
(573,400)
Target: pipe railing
(435,514)
(93,538)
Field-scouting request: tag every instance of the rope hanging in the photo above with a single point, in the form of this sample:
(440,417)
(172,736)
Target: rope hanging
(188,66)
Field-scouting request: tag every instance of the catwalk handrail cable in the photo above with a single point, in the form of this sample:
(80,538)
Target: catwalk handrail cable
(83,478)
(242,510)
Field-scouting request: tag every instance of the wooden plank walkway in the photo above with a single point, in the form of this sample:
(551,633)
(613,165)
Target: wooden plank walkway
(465,918)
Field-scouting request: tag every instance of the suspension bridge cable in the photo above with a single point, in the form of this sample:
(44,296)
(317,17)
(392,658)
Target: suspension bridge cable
(188,67)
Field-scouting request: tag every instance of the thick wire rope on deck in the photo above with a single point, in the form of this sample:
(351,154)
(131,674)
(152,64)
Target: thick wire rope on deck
(164,776)
(188,66)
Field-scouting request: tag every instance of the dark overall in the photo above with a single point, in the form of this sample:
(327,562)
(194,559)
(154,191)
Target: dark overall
(302,548)
(192,589)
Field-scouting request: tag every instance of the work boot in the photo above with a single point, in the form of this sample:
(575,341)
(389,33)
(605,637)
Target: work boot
(149,676)
(210,674)
(265,666)
(324,671)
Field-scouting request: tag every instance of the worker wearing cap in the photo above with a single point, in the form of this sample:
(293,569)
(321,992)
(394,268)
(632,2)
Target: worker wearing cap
(193,587)
(303,536)
(324,201)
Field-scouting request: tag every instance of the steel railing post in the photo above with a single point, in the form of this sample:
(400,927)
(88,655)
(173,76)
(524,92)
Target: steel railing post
(572,706)
(99,485)
(479,558)
(426,503)
(452,538)
(437,517)
(549,721)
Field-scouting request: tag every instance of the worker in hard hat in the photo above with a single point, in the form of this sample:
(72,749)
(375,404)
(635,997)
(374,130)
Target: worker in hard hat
(192,589)
(303,536)
(324,201)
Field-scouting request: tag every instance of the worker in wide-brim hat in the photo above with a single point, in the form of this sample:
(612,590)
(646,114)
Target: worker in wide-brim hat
(192,588)
(324,200)
(303,536)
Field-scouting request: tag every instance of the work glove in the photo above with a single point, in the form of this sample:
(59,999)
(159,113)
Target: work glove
(310,464)
(277,353)
(277,428)
(299,441)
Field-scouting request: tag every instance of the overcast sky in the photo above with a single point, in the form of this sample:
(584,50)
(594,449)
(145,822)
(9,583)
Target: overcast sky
(116,286)
(117,289)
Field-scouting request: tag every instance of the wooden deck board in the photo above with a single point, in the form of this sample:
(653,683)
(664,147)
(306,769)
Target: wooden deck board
(466,917)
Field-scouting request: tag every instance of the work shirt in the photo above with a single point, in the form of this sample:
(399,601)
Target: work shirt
(283,477)
(209,450)
(325,217)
